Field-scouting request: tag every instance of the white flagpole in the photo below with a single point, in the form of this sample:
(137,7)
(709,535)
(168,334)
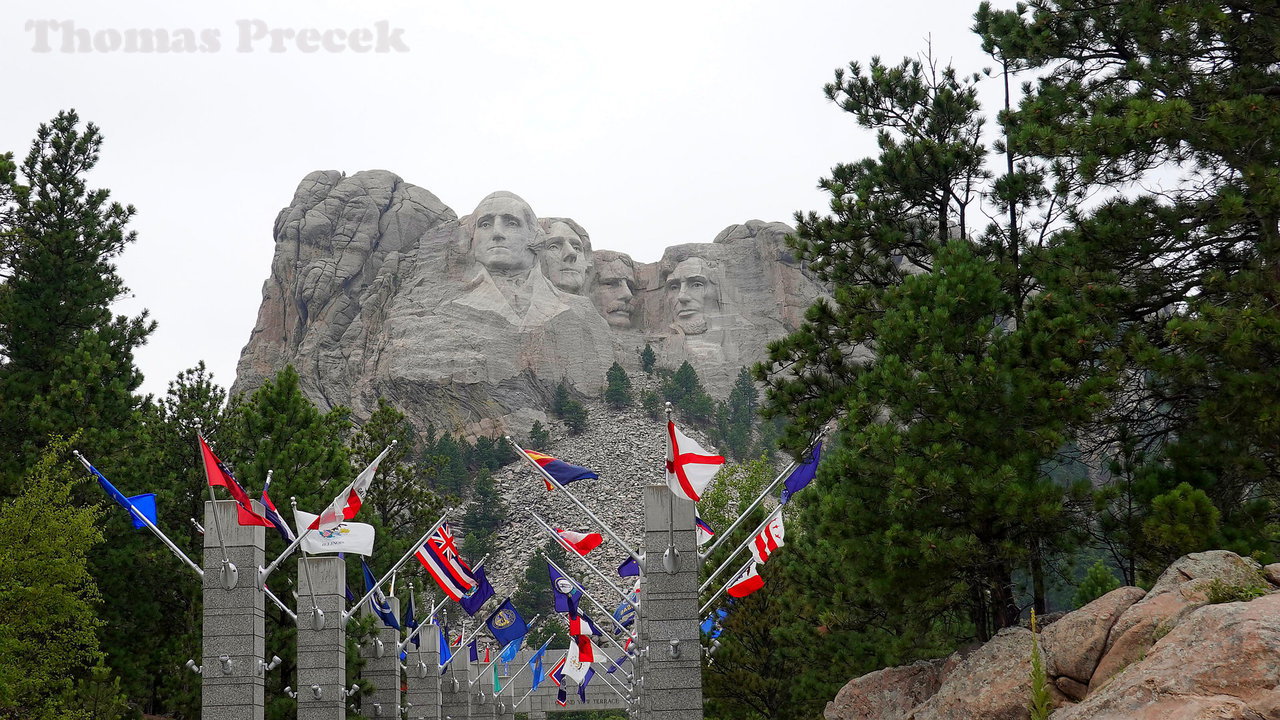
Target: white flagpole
(292,615)
(413,549)
(418,630)
(604,526)
(703,610)
(217,524)
(559,539)
(306,567)
(722,536)
(135,512)
(734,554)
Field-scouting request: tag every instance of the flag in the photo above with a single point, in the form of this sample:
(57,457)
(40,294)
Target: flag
(445,653)
(535,664)
(347,504)
(802,475)
(582,685)
(746,582)
(473,650)
(629,568)
(581,543)
(411,622)
(557,670)
(273,515)
(486,654)
(218,474)
(497,687)
(509,652)
(559,470)
(576,667)
(625,615)
(345,537)
(711,626)
(378,602)
(580,624)
(505,623)
(144,503)
(562,698)
(690,468)
(705,533)
(473,599)
(564,591)
(768,539)
(615,665)
(439,555)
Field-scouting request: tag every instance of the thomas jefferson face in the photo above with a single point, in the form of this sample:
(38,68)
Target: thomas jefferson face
(612,292)
(504,232)
(689,292)
(565,258)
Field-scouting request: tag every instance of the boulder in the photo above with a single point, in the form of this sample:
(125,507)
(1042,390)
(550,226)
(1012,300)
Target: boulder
(1220,661)
(992,683)
(1182,588)
(889,694)
(1074,644)
(1272,573)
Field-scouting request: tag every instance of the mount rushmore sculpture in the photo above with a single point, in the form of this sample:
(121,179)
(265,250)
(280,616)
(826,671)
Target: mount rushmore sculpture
(377,289)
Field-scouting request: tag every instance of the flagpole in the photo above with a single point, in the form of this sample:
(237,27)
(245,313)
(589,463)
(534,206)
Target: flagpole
(135,512)
(711,578)
(306,569)
(462,642)
(555,484)
(703,610)
(559,539)
(418,630)
(413,549)
(589,596)
(722,536)
(671,503)
(227,579)
(785,473)
(611,687)
(292,615)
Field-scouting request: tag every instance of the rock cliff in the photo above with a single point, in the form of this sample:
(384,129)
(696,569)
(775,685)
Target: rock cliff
(1182,650)
(377,289)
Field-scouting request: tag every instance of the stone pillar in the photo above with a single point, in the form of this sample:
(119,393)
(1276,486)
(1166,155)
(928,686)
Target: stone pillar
(382,667)
(423,676)
(455,695)
(322,654)
(672,686)
(234,639)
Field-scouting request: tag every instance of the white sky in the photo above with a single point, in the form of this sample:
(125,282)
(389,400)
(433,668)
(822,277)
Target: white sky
(650,123)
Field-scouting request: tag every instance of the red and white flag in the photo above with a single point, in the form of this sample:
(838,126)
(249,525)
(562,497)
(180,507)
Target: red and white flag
(581,543)
(347,504)
(746,582)
(768,539)
(690,468)
(439,555)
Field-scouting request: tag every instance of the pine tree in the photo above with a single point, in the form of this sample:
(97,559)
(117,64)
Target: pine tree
(647,359)
(539,437)
(47,596)
(740,415)
(65,361)
(1178,275)
(401,499)
(685,392)
(533,596)
(484,518)
(618,392)
(1098,581)
(565,407)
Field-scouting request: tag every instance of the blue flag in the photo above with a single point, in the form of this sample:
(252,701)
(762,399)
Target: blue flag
(475,598)
(711,626)
(144,503)
(802,475)
(474,650)
(509,652)
(378,601)
(445,653)
(535,664)
(505,623)
(563,589)
(625,614)
(582,686)
(629,568)
(411,622)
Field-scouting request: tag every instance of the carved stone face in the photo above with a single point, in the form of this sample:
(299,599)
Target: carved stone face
(504,232)
(612,292)
(690,294)
(565,259)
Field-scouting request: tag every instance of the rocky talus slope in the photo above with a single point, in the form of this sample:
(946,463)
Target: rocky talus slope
(1170,653)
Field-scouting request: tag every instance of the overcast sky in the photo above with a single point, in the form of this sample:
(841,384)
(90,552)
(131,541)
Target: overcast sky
(650,123)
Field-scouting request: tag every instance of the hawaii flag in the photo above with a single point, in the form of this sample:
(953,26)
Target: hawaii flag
(347,504)
(581,543)
(746,582)
(439,555)
(690,468)
(769,539)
